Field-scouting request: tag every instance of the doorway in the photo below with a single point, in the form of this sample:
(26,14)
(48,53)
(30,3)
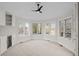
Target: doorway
(9,41)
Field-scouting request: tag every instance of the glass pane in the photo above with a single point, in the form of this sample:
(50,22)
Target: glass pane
(37,28)
(47,28)
(34,28)
(52,32)
(24,29)
(8,19)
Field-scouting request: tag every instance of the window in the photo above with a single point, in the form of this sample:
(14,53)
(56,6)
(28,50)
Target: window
(52,32)
(24,29)
(37,28)
(50,29)
(8,19)
(47,28)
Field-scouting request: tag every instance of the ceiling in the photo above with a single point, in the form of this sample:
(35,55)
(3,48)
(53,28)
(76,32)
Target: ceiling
(50,9)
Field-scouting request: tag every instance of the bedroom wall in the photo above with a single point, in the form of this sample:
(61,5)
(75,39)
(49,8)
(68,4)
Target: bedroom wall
(22,21)
(71,43)
(4,34)
(6,30)
(2,18)
(2,22)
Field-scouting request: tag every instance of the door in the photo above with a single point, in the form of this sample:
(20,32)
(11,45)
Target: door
(9,41)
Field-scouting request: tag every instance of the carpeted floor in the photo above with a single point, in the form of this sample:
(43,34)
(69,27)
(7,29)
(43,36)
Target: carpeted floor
(38,48)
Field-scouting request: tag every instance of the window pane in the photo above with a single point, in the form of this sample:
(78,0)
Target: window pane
(37,28)
(8,19)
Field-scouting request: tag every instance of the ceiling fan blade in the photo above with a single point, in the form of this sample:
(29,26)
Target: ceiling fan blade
(40,8)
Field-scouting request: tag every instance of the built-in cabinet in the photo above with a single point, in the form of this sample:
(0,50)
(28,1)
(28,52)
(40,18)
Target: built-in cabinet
(65,27)
(68,30)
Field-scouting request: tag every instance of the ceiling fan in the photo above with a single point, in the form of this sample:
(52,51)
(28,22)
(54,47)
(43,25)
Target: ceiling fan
(39,7)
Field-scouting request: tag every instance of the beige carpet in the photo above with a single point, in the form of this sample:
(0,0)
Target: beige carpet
(37,48)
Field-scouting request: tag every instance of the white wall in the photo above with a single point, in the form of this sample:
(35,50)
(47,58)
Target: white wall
(71,43)
(2,22)
(5,30)
(3,44)
(22,21)
(4,33)
(2,17)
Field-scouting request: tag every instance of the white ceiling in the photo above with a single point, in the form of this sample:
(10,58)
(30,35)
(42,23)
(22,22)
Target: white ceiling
(50,10)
